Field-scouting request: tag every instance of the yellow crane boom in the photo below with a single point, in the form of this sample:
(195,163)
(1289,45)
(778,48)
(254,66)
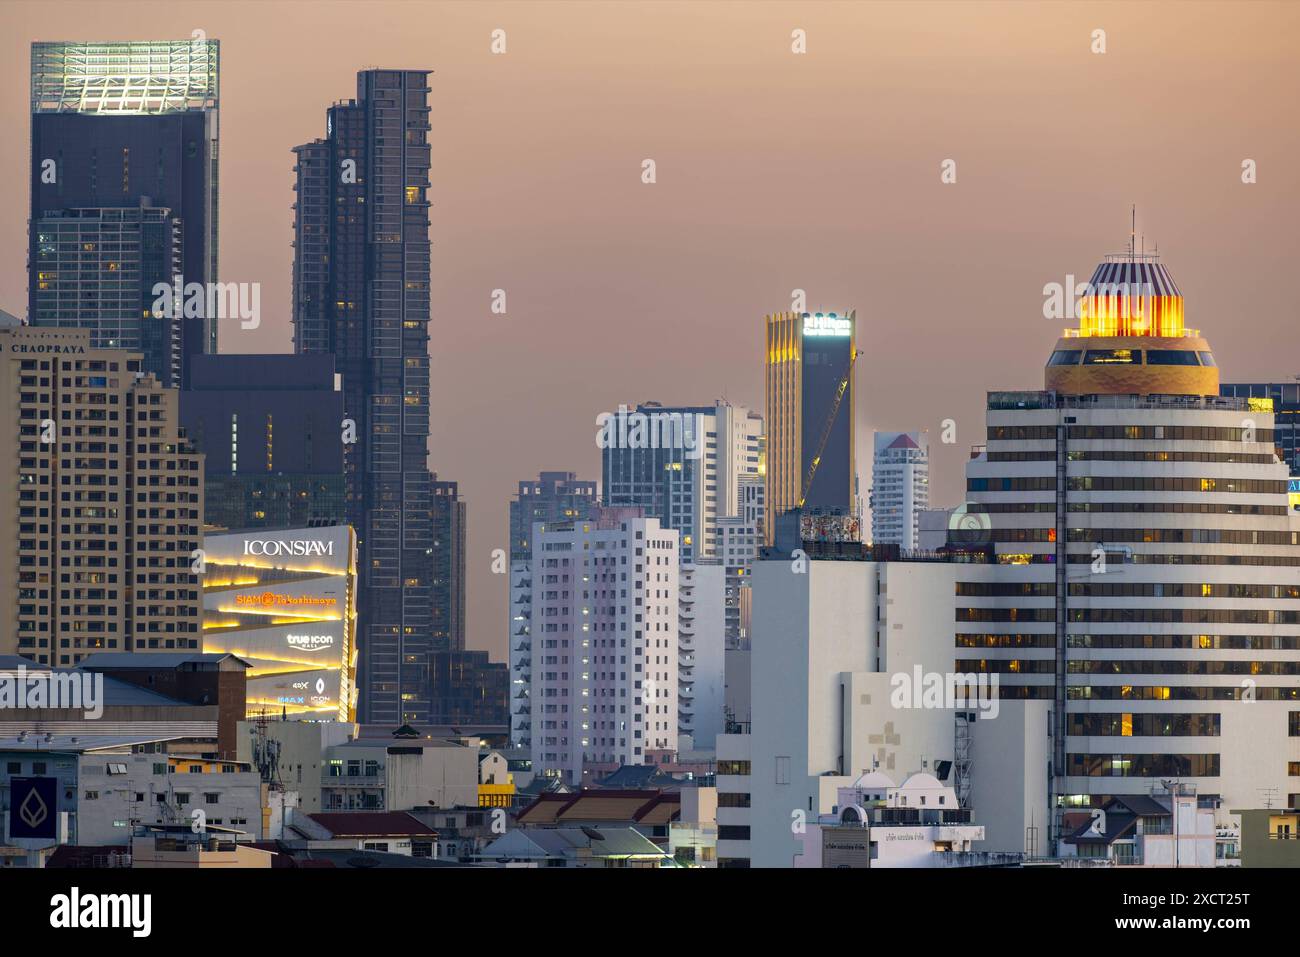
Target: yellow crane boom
(826,430)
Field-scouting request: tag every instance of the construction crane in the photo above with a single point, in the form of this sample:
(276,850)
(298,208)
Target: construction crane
(826,430)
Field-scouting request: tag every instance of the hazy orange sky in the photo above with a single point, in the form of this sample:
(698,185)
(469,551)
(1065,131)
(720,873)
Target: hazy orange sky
(775,171)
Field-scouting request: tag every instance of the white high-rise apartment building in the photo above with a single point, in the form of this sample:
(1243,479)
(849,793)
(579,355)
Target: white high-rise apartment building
(701,645)
(604,615)
(551,497)
(900,487)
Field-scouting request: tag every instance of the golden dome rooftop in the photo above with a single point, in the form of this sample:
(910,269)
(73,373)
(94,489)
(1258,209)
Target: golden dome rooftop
(1131,339)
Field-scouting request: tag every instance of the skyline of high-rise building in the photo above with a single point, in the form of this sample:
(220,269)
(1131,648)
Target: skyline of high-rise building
(124,192)
(1147,557)
(739,539)
(361,291)
(1117,593)
(1090,661)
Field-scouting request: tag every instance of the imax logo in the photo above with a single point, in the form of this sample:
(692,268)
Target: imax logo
(272,547)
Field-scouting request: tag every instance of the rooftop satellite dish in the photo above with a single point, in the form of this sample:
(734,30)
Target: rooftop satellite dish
(592,833)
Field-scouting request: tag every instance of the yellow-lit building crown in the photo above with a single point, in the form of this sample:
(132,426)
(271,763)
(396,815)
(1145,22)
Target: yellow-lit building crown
(1131,295)
(1131,338)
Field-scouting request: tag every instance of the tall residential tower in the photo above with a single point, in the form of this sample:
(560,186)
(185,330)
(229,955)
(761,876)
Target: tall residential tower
(361,291)
(900,487)
(102,508)
(551,497)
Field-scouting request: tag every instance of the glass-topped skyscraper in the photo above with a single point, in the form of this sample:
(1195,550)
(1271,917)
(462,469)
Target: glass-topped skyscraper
(811,456)
(124,192)
(361,291)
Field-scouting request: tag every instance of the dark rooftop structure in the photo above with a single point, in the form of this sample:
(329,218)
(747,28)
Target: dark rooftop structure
(638,776)
(270,426)
(367,824)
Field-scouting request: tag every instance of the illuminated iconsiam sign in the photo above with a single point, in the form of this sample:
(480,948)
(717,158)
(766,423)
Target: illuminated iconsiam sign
(283,602)
(257,546)
(827,325)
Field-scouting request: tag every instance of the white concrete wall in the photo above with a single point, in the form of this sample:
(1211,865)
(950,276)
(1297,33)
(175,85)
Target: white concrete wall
(1010,758)
(702,637)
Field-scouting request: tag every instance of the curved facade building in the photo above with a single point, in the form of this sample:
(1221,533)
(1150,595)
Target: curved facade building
(1146,581)
(285,602)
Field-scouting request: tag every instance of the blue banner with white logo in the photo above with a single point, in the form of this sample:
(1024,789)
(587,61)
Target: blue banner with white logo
(33,804)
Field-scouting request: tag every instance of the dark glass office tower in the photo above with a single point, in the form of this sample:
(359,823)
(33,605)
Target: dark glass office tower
(361,291)
(270,426)
(448,567)
(551,497)
(811,455)
(124,192)
(469,689)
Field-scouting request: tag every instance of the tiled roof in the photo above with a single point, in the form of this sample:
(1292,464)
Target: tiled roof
(600,804)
